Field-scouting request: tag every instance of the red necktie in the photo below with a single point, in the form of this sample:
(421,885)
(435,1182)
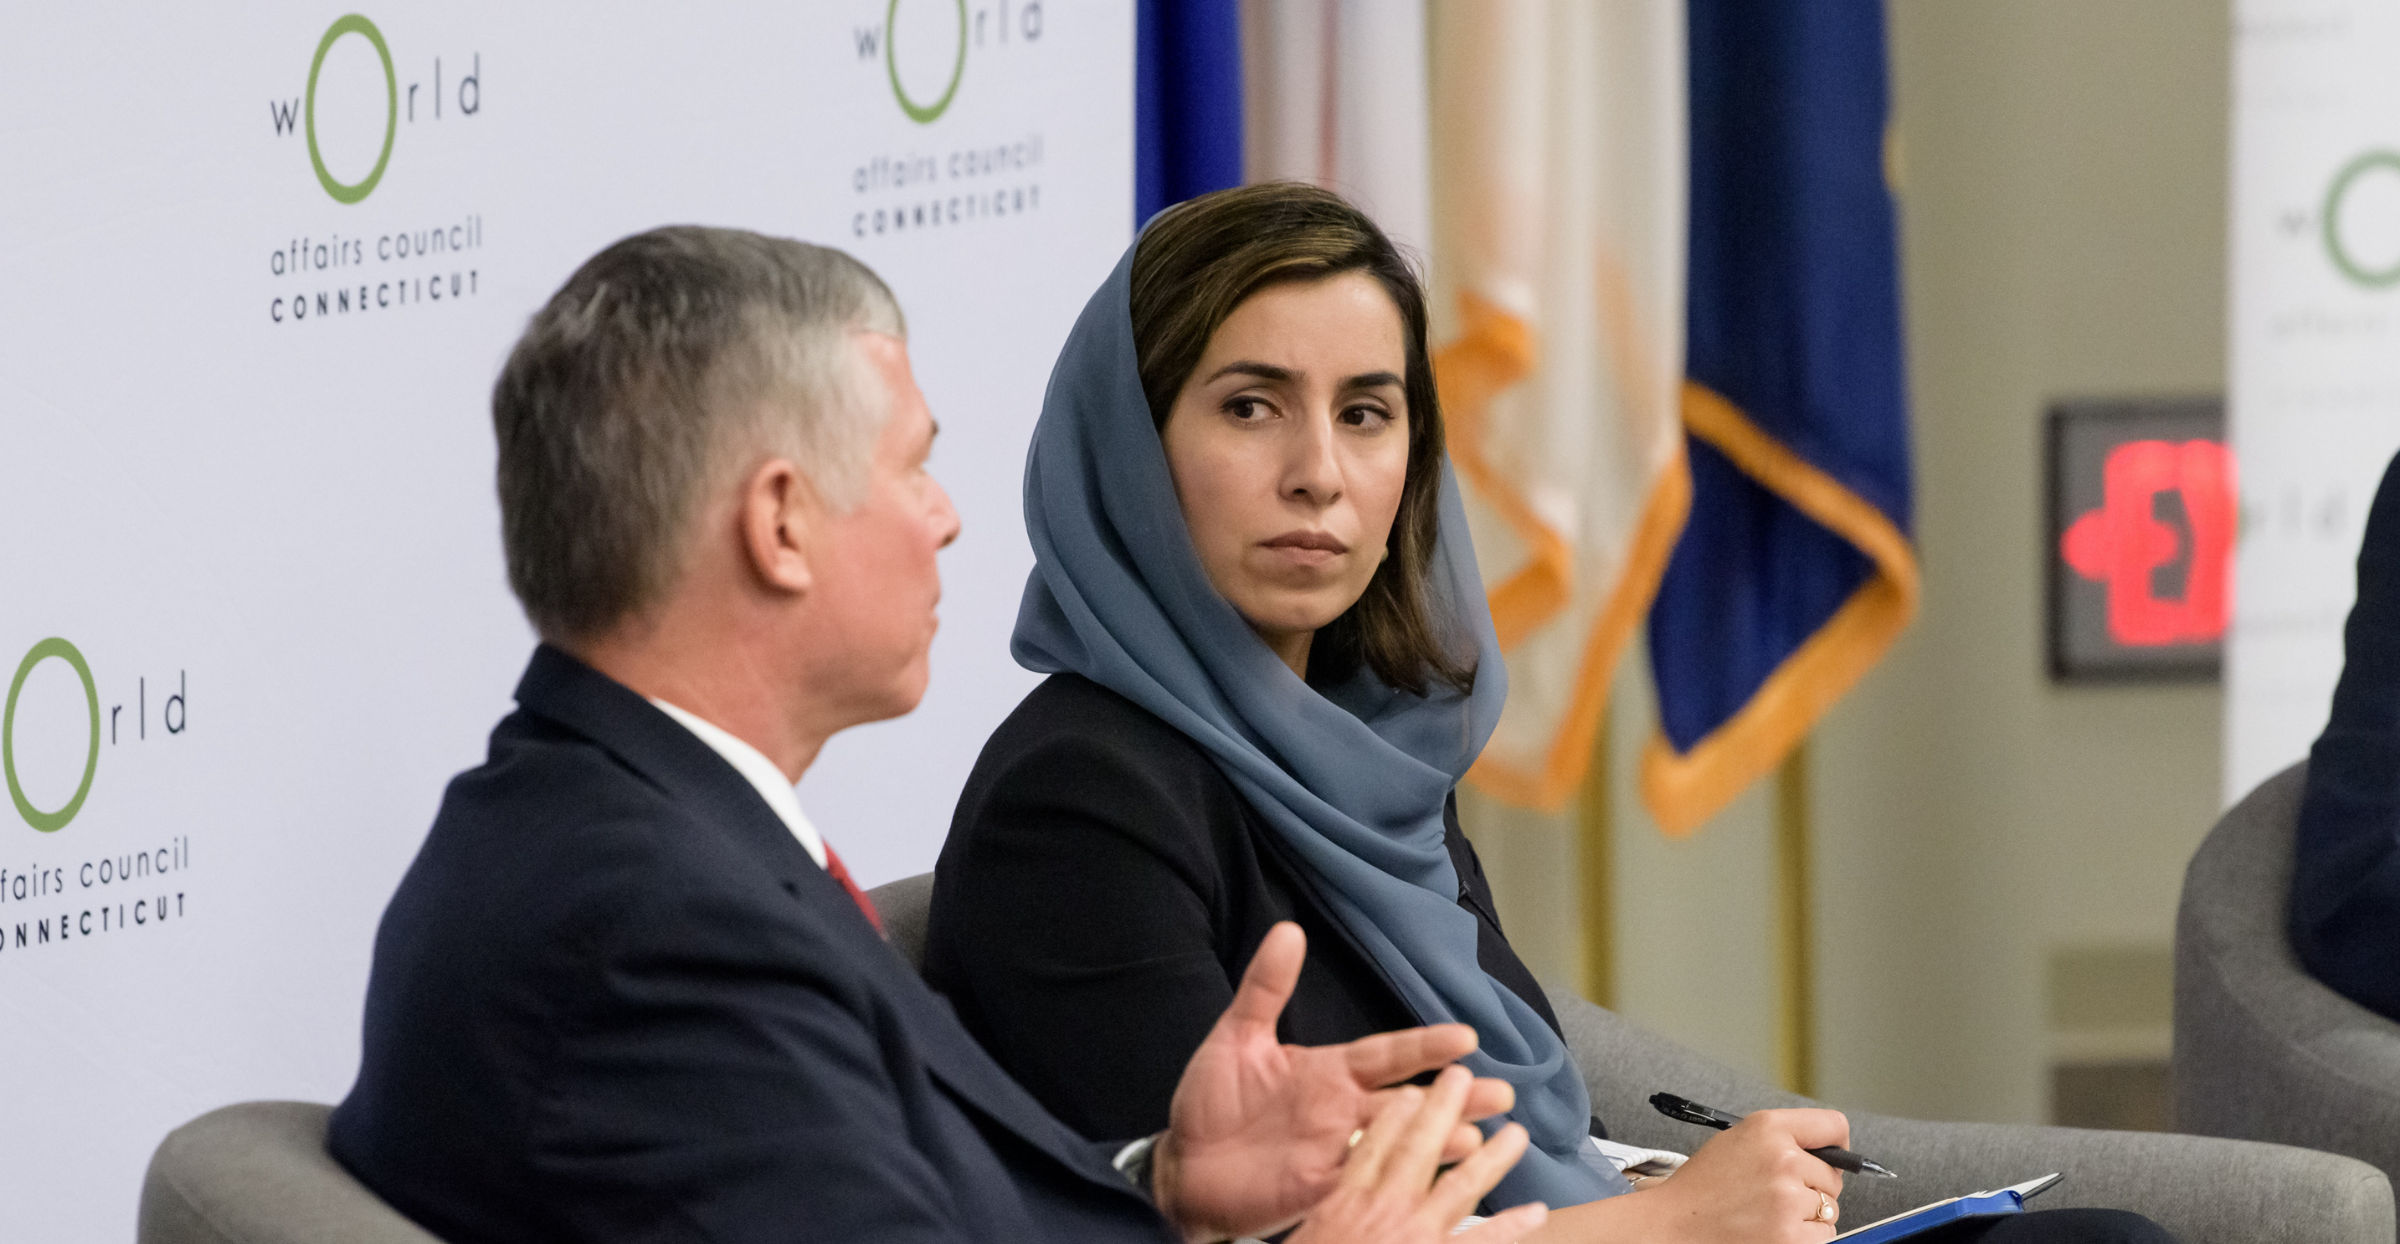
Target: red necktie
(833,865)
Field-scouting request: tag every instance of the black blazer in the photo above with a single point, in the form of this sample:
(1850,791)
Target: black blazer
(2345,909)
(614,999)
(1102,889)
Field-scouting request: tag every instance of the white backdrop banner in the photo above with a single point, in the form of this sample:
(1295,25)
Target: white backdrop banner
(262,265)
(2315,351)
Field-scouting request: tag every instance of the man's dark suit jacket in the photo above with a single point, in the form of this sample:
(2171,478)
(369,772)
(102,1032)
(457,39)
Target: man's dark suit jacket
(614,999)
(2345,912)
(1102,890)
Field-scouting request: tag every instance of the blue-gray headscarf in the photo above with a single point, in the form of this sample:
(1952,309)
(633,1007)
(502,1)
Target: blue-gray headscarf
(1354,780)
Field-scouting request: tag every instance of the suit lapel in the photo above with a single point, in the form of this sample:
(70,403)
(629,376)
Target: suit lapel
(665,754)
(695,777)
(941,1044)
(951,1056)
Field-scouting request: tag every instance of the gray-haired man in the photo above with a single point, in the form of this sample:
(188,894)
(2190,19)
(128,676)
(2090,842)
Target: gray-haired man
(626,991)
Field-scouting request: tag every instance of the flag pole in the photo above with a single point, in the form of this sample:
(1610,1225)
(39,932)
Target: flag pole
(1595,866)
(1795,974)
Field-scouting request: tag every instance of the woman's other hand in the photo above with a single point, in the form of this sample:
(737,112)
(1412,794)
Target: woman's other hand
(1756,1183)
(1388,1193)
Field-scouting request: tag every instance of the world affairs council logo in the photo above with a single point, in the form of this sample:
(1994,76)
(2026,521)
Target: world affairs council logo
(2360,220)
(936,35)
(63,733)
(53,821)
(364,92)
(353,192)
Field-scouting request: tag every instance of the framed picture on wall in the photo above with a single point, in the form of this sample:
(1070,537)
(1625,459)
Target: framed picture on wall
(2139,548)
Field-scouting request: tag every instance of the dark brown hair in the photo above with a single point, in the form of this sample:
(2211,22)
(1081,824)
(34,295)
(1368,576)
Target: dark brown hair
(1197,262)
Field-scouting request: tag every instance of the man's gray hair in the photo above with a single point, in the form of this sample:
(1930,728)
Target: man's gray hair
(666,366)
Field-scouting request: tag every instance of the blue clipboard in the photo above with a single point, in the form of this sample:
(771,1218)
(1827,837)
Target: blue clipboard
(2009,1200)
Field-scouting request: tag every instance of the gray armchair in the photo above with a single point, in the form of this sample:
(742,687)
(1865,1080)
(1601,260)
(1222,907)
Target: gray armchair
(2263,1050)
(2206,1191)
(258,1173)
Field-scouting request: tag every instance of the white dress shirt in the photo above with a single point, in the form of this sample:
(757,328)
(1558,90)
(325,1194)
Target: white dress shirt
(753,764)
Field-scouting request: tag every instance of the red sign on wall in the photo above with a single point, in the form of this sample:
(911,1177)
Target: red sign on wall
(2144,514)
(2123,543)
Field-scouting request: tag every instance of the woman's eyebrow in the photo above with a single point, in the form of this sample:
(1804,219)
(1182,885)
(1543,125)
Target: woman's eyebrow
(1285,375)
(1245,367)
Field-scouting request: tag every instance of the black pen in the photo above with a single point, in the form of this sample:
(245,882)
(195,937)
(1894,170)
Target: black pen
(1685,1111)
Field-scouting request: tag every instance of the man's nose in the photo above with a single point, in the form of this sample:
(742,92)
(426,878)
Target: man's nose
(945,518)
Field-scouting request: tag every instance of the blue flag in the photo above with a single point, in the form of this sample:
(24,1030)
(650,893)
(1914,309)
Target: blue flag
(1795,570)
(1187,102)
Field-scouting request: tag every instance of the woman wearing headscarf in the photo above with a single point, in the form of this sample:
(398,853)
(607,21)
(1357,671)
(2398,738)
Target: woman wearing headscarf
(1271,662)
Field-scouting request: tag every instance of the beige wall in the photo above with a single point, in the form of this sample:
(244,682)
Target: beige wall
(2063,188)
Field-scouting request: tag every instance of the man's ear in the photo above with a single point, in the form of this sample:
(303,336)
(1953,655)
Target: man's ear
(779,515)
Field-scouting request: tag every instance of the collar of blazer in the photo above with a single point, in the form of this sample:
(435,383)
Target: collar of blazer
(672,758)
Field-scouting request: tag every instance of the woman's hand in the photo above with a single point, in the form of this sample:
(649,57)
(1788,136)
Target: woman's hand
(1388,1193)
(1755,1183)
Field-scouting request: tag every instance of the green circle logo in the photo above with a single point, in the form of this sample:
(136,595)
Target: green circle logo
(2372,278)
(353,24)
(922,114)
(49,822)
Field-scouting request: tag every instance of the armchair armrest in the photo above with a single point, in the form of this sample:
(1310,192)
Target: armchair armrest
(2205,1190)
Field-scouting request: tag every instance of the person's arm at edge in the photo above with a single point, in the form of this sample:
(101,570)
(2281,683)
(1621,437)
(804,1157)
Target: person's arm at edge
(2345,902)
